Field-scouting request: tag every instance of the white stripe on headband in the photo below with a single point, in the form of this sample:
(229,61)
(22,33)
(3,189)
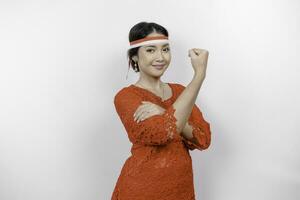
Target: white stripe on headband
(148,40)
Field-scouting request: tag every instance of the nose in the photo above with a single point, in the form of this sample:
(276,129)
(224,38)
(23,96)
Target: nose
(160,56)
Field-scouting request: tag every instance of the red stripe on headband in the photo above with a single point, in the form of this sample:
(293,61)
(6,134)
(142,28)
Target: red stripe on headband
(147,39)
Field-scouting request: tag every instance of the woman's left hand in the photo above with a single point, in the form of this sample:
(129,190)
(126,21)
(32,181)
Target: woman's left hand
(146,110)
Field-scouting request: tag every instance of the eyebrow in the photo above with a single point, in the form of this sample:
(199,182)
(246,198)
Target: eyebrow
(155,46)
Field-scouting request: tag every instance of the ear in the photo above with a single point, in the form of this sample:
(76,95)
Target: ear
(135,58)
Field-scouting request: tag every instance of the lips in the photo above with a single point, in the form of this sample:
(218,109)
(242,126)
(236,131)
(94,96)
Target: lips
(158,66)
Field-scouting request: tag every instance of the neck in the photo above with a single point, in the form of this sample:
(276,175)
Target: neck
(150,82)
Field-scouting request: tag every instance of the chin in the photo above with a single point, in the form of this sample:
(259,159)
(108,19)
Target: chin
(156,73)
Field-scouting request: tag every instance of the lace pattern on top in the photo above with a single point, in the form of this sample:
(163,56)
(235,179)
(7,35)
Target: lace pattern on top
(171,122)
(201,131)
(155,130)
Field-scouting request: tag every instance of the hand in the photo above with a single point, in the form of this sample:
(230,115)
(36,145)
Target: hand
(146,110)
(199,59)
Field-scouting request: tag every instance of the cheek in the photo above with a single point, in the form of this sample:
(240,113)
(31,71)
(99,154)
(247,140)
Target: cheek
(168,58)
(147,59)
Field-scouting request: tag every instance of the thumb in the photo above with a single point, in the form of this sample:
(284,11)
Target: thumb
(191,53)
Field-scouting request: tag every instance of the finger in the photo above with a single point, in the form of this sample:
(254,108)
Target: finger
(196,52)
(200,51)
(139,108)
(143,105)
(147,103)
(147,106)
(145,115)
(192,53)
(141,116)
(140,111)
(149,111)
(137,112)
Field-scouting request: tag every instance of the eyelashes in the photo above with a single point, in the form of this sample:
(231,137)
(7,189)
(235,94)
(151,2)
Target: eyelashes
(150,50)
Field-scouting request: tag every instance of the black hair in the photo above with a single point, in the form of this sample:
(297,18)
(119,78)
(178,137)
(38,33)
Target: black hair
(140,31)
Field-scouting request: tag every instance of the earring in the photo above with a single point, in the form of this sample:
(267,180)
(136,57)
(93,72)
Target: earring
(135,67)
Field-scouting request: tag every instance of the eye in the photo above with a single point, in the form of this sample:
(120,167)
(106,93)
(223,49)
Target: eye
(168,49)
(149,50)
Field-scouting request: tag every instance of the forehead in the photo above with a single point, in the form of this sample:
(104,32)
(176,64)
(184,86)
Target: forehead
(157,45)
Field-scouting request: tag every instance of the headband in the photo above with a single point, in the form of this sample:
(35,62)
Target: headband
(146,41)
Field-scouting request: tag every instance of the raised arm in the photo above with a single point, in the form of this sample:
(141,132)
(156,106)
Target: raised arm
(185,102)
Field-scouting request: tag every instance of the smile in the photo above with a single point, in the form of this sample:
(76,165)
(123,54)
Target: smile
(159,67)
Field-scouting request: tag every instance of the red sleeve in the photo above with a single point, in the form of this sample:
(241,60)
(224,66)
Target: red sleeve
(155,130)
(201,128)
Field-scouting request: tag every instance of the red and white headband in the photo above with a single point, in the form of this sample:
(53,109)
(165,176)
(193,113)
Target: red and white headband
(149,40)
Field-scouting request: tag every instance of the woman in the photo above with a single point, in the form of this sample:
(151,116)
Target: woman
(161,119)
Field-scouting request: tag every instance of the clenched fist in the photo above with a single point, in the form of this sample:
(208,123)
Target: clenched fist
(199,59)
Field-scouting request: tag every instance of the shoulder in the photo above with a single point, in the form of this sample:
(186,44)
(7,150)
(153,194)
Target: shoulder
(125,93)
(177,86)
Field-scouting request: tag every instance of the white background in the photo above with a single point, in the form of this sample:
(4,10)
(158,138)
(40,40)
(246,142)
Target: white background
(62,62)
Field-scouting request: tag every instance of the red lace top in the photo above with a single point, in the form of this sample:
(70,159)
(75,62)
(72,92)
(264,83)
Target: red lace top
(160,167)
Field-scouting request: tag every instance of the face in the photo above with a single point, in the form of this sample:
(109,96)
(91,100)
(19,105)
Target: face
(153,59)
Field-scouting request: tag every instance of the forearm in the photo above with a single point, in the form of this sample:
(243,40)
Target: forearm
(187,132)
(186,100)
